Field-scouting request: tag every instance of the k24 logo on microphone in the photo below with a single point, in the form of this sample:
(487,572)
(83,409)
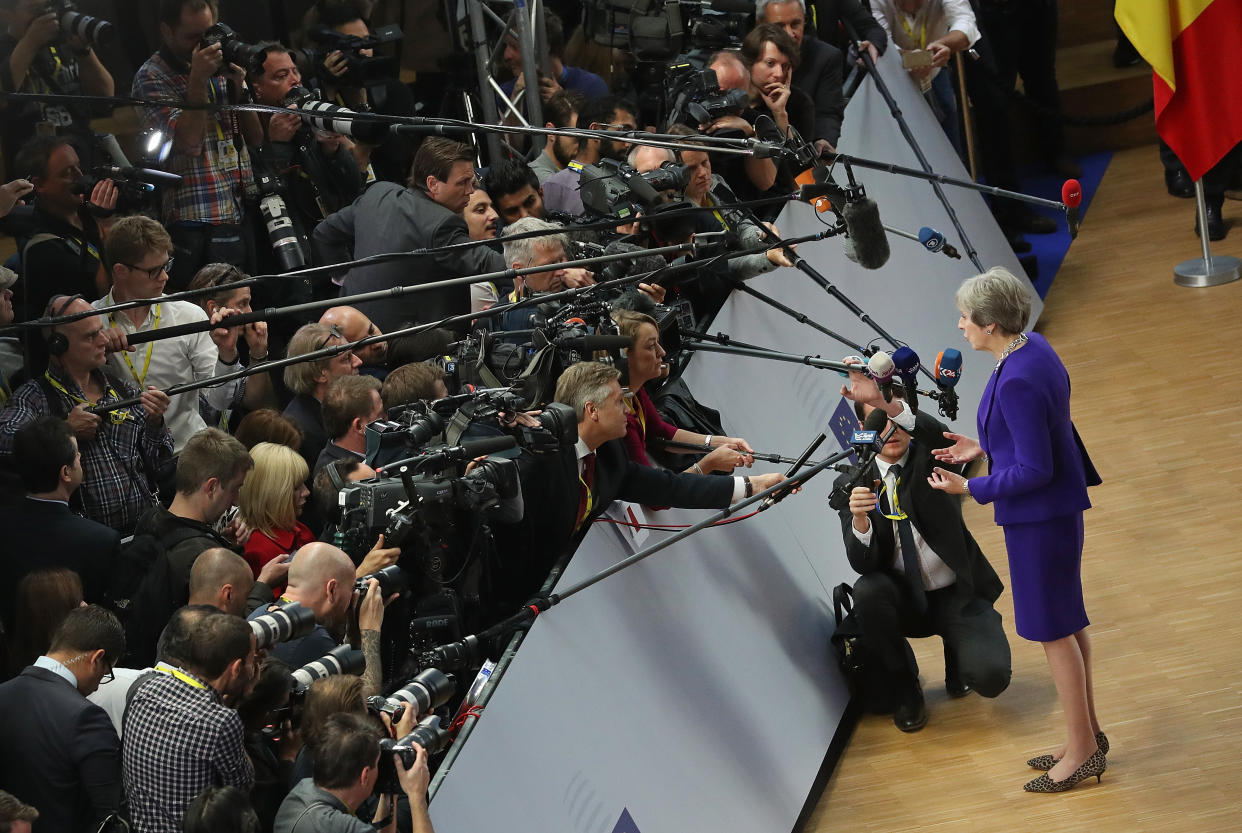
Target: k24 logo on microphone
(947,373)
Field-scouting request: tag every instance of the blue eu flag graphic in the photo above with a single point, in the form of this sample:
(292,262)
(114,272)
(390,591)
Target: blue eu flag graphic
(843,424)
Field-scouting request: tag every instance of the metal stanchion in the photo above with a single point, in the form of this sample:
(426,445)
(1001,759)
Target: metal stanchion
(1206,270)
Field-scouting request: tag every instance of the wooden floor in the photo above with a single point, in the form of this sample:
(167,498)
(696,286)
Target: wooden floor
(1157,374)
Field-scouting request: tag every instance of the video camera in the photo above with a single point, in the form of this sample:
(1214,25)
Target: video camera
(693,97)
(73,23)
(361,69)
(232,47)
(658,30)
(615,189)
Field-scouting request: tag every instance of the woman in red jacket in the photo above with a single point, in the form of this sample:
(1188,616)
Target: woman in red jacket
(272,498)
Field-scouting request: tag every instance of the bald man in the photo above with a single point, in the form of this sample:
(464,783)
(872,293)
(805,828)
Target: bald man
(321,577)
(355,325)
(221,578)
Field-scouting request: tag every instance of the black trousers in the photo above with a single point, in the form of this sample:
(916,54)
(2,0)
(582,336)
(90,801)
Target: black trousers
(974,641)
(1217,180)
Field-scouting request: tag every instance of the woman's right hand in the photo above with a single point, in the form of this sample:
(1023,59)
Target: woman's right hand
(726,458)
(963,450)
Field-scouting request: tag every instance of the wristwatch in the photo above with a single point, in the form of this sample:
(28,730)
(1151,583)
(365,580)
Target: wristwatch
(966,486)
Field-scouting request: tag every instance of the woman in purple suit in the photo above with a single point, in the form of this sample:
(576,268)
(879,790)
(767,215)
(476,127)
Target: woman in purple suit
(1038,474)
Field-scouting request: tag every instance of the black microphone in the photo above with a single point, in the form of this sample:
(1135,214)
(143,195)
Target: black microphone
(907,363)
(456,131)
(589,344)
(867,244)
(881,368)
(772,500)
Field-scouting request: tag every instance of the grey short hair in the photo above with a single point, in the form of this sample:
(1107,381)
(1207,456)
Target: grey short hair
(523,251)
(996,297)
(760,5)
(586,382)
(632,159)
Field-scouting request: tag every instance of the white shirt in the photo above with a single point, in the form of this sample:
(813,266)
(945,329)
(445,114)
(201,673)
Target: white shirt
(936,574)
(932,22)
(112,695)
(174,361)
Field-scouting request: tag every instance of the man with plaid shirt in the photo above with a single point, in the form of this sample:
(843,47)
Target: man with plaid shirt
(204,214)
(121,449)
(181,732)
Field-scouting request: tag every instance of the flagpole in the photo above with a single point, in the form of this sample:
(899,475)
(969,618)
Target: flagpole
(1208,270)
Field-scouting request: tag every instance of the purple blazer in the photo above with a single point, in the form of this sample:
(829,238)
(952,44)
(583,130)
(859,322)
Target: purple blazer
(1039,468)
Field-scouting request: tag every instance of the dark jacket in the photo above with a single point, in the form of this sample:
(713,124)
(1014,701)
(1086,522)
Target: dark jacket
(61,752)
(936,515)
(831,15)
(390,218)
(819,76)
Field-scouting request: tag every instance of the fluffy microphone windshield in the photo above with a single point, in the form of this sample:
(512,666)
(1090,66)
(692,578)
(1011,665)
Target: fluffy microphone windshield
(867,244)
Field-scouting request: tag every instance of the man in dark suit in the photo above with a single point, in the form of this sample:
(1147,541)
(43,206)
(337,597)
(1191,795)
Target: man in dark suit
(565,491)
(425,214)
(922,573)
(832,17)
(40,531)
(61,753)
(818,74)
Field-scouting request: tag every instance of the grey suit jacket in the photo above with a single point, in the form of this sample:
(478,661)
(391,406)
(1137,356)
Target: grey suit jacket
(391,218)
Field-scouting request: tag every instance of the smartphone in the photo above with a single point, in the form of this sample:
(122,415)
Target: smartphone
(916,58)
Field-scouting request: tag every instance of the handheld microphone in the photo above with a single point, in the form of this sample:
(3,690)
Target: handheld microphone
(881,368)
(1071,195)
(931,239)
(867,244)
(907,363)
(948,367)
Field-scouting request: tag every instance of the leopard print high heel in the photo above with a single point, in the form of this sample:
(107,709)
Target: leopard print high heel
(1095,765)
(1047,762)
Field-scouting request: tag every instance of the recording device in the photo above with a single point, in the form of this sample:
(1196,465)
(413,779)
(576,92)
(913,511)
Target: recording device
(74,24)
(693,97)
(881,368)
(334,119)
(907,363)
(136,186)
(286,622)
(657,30)
(428,734)
(360,69)
(391,580)
(611,188)
(1071,195)
(866,242)
(340,660)
(232,47)
(948,372)
(282,233)
(430,690)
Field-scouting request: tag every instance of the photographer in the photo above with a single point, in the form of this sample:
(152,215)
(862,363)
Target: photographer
(316,167)
(62,251)
(560,191)
(343,780)
(205,213)
(752,176)
(561,113)
(36,57)
(574,79)
(342,78)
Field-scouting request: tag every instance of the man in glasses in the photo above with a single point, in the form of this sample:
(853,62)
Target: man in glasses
(922,574)
(560,190)
(139,254)
(61,753)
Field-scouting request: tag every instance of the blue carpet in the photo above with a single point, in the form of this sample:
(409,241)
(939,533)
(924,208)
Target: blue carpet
(1049,249)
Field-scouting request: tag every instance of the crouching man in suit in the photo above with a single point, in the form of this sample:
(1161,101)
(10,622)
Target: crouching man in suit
(922,574)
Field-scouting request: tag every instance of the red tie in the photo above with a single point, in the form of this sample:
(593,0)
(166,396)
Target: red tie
(586,481)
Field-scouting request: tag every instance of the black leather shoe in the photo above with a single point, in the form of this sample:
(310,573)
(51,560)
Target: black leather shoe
(911,712)
(1179,184)
(1216,223)
(954,685)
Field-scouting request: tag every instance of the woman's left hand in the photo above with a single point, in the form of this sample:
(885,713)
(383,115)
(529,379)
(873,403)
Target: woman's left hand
(946,481)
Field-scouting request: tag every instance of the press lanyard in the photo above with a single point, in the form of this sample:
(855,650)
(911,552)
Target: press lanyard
(637,410)
(716,213)
(180,675)
(211,98)
(146,365)
(922,38)
(116,420)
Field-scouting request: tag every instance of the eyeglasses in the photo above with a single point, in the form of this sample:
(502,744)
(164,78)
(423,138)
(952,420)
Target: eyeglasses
(108,676)
(334,332)
(154,272)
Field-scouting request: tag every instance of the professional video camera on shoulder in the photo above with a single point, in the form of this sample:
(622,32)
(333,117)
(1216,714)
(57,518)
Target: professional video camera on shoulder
(74,24)
(360,69)
(692,96)
(617,190)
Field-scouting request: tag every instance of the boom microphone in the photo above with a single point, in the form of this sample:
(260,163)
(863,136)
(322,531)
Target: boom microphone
(456,131)
(907,363)
(931,239)
(1071,195)
(881,368)
(589,344)
(867,244)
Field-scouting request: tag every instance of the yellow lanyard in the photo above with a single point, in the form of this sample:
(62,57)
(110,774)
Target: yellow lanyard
(898,514)
(146,365)
(211,98)
(117,417)
(724,225)
(632,406)
(590,501)
(922,38)
(180,675)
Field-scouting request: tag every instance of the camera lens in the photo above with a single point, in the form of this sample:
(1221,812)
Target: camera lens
(431,689)
(282,624)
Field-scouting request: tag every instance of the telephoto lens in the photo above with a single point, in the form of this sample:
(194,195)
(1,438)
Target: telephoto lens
(430,690)
(428,734)
(93,30)
(391,580)
(284,623)
(340,660)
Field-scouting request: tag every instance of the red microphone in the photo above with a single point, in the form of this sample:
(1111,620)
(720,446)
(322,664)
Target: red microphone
(1071,195)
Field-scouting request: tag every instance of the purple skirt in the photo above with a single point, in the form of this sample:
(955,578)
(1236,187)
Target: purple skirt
(1045,560)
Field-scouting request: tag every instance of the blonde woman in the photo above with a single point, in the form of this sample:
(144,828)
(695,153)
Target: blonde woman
(271,501)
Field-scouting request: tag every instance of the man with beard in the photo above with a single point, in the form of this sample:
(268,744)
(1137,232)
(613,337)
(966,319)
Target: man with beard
(560,191)
(561,112)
